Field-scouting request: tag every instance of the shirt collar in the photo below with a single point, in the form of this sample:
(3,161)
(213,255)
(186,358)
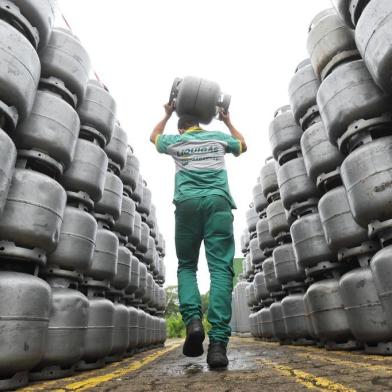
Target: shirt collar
(193,129)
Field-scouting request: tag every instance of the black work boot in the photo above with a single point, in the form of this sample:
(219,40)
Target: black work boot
(217,355)
(193,346)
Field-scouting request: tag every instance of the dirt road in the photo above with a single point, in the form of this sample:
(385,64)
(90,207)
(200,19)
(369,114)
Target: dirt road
(255,366)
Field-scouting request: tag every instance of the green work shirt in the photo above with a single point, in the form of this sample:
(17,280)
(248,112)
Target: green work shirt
(200,162)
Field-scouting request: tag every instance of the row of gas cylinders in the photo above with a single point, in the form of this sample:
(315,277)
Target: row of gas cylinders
(240,309)
(74,211)
(64,330)
(321,209)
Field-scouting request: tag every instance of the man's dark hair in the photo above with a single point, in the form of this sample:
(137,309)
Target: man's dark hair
(186,121)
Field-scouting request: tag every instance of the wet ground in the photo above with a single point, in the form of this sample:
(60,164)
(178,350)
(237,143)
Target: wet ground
(254,366)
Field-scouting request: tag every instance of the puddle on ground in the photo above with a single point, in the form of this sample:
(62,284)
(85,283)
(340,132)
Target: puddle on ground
(239,360)
(193,368)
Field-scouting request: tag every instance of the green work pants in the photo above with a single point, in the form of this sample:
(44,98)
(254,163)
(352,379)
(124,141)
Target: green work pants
(207,219)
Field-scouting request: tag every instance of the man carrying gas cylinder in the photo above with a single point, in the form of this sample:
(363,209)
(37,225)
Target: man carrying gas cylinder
(203,213)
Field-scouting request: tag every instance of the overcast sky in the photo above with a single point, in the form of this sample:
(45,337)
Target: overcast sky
(250,47)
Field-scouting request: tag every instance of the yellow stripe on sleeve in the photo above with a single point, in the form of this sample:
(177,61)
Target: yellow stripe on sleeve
(241,150)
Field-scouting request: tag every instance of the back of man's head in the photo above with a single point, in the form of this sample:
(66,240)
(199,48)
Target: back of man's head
(187,121)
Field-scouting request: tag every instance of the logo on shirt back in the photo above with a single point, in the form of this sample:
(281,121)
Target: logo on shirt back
(198,150)
(199,155)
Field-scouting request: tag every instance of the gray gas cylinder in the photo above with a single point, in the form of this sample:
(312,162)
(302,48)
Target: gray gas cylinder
(245,241)
(110,203)
(87,173)
(142,329)
(253,324)
(340,229)
(320,155)
(51,130)
(366,317)
(284,133)
(145,205)
(66,60)
(161,299)
(116,150)
(104,262)
(67,332)
(348,95)
(303,93)
(278,326)
(123,274)
(259,200)
(265,316)
(24,320)
(294,183)
(277,220)
(19,86)
(149,331)
(259,331)
(152,222)
(125,223)
(153,330)
(97,111)
(120,332)
(330,42)
(286,267)
(366,175)
(133,329)
(130,172)
(261,291)
(149,256)
(163,330)
(251,218)
(139,293)
(350,10)
(40,14)
(271,281)
(148,293)
(144,237)
(7,164)
(295,318)
(248,267)
(342,7)
(310,245)
(135,237)
(161,245)
(198,97)
(137,193)
(381,271)
(256,255)
(266,241)
(99,335)
(243,310)
(269,180)
(33,215)
(233,321)
(251,295)
(326,309)
(77,241)
(372,33)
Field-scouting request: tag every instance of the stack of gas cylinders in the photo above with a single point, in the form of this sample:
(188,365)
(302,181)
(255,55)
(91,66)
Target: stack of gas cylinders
(81,254)
(318,246)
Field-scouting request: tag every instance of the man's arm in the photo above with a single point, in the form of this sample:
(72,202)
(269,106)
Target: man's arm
(160,127)
(225,117)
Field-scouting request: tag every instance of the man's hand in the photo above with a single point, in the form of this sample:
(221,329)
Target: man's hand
(169,109)
(160,127)
(225,117)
